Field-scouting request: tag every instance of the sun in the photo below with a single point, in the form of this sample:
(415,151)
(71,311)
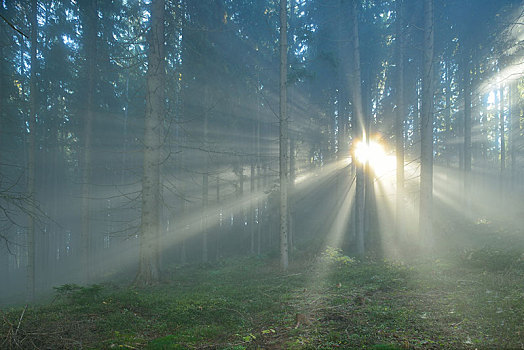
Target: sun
(373,154)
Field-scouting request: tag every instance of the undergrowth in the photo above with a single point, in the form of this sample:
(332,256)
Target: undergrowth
(471,298)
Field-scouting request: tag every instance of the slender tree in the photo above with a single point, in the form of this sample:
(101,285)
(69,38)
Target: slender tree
(2,89)
(448,106)
(283,121)
(31,253)
(252,190)
(205,183)
(514,129)
(467,134)
(399,123)
(90,39)
(502,121)
(359,125)
(149,263)
(426,129)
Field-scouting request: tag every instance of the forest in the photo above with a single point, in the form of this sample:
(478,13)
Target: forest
(269,174)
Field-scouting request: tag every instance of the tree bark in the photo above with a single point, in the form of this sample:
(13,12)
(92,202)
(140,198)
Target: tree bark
(426,130)
(283,138)
(149,263)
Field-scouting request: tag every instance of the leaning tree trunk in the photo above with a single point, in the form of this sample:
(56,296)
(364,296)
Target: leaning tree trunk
(426,130)
(149,264)
(359,132)
(283,137)
(31,157)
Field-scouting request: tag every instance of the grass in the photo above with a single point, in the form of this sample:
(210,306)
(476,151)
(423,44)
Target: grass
(465,298)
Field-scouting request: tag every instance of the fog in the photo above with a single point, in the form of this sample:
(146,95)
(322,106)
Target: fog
(74,117)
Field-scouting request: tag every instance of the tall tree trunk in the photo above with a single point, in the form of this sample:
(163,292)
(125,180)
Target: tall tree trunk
(416,115)
(149,263)
(4,253)
(502,120)
(252,189)
(426,130)
(2,107)
(252,208)
(399,124)
(91,34)
(283,138)
(259,176)
(367,97)
(290,156)
(183,250)
(205,182)
(359,132)
(342,79)
(514,130)
(219,228)
(31,252)
(292,176)
(460,137)
(205,201)
(467,136)
(447,114)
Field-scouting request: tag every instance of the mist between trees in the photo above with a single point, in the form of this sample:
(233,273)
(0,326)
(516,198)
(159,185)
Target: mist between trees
(136,136)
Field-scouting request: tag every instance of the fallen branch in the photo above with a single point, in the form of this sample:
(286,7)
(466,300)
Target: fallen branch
(14,27)
(20,320)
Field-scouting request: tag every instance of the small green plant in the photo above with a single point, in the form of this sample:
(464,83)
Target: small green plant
(268,331)
(247,338)
(335,256)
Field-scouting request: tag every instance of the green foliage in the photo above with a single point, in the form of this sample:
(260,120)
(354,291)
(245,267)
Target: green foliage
(244,303)
(300,342)
(248,338)
(490,259)
(78,294)
(268,331)
(335,256)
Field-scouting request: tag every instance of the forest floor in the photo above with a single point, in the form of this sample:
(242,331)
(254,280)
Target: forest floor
(464,298)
